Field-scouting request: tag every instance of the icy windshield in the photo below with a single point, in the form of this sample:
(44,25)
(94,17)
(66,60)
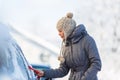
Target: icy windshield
(13,65)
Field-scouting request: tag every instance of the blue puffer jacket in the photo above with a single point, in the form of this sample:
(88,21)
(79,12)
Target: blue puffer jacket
(81,57)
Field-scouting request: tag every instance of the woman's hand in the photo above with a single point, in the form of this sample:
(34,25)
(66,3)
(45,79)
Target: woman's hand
(39,73)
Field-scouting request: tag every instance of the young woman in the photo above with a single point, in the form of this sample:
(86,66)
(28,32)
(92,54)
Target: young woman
(79,53)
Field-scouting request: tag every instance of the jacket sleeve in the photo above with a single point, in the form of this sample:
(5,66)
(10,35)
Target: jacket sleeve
(94,59)
(56,73)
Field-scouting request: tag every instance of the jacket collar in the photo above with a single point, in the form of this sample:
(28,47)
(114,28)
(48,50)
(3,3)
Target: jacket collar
(78,33)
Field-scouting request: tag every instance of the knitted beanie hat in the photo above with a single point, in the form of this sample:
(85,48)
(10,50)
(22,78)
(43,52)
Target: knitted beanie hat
(67,24)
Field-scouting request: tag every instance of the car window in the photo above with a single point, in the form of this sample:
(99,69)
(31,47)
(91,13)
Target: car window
(13,64)
(22,62)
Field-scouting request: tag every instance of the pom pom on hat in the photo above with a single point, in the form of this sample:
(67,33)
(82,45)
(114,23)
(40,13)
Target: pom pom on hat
(69,15)
(67,24)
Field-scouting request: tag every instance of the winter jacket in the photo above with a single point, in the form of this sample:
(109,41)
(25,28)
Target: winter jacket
(81,57)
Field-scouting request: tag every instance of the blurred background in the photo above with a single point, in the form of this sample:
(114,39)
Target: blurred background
(33,25)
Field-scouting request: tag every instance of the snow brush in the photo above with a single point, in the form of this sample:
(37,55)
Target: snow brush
(35,71)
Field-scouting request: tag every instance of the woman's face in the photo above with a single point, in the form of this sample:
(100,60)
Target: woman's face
(61,34)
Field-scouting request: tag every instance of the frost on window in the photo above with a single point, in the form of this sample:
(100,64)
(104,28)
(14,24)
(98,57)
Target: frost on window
(13,65)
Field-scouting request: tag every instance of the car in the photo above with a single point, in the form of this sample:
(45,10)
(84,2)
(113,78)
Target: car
(13,64)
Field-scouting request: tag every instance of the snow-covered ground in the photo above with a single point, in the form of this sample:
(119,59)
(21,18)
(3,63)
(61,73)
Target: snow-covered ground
(101,18)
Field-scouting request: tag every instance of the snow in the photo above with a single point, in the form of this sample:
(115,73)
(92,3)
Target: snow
(101,18)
